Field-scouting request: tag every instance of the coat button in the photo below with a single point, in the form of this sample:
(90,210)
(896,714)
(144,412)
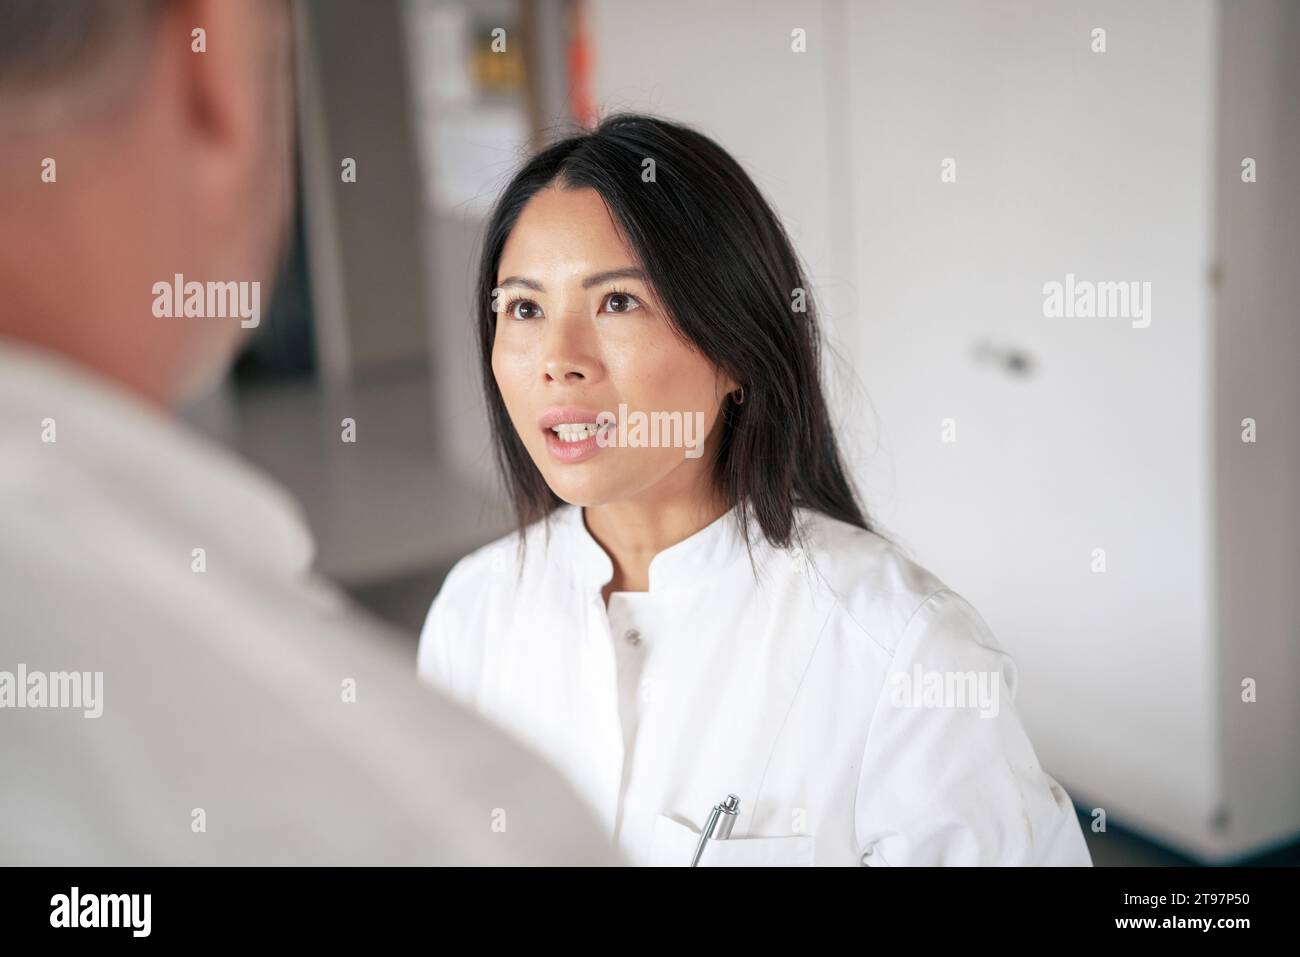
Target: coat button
(632,636)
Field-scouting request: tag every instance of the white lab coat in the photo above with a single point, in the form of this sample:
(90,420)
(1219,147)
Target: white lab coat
(777,690)
(248,716)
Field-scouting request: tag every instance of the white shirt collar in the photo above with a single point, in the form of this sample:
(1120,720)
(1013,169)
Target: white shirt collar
(140,463)
(693,562)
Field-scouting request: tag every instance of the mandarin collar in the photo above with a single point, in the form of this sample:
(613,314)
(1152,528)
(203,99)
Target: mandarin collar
(692,562)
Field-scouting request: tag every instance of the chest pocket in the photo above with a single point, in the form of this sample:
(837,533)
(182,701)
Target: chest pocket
(672,844)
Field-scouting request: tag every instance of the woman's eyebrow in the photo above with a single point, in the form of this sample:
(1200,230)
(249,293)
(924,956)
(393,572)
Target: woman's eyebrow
(626,272)
(532,284)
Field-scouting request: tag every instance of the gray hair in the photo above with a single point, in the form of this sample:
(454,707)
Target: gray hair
(54,43)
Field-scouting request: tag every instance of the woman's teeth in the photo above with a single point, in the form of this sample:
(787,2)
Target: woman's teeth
(576,431)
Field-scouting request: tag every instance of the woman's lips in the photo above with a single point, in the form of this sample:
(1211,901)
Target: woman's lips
(565,414)
(563,427)
(567,451)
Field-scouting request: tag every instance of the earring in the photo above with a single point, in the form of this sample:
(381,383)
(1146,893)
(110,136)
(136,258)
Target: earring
(739,396)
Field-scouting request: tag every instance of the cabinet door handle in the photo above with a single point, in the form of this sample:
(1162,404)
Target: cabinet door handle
(1012,360)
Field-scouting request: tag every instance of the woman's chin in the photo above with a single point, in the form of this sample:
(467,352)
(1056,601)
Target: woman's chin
(589,487)
(583,497)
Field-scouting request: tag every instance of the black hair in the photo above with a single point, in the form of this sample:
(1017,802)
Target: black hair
(726,273)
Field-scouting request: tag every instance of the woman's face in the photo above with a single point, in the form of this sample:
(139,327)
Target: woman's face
(579,334)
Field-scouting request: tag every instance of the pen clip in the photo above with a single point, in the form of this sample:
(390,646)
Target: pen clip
(721,816)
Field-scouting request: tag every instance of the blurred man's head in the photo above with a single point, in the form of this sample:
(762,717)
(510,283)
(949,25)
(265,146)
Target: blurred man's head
(166,161)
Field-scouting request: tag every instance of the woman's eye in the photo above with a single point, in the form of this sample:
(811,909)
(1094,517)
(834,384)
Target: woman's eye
(620,302)
(523,309)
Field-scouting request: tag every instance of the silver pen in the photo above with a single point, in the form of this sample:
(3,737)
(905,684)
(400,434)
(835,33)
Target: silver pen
(718,827)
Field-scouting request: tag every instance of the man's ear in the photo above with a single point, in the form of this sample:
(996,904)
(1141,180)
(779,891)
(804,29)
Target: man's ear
(228,66)
(222,67)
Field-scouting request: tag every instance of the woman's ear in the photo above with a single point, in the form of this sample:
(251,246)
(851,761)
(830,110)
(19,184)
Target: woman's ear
(725,385)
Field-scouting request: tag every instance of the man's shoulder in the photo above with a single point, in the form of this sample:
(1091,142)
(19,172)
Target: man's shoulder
(278,720)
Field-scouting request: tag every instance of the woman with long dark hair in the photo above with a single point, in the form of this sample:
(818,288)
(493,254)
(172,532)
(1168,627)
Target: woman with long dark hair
(695,612)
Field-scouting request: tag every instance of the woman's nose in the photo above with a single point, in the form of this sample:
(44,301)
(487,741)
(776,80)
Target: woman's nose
(560,370)
(569,356)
